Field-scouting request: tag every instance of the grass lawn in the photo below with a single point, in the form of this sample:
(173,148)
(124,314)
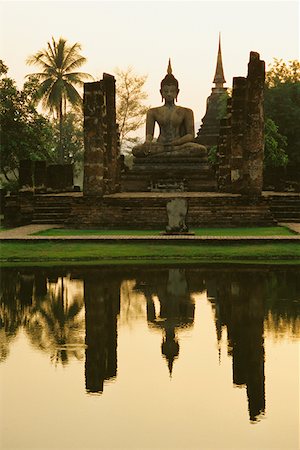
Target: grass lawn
(50,252)
(255,231)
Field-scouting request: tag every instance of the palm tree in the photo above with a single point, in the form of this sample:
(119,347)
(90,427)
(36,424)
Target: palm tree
(57,78)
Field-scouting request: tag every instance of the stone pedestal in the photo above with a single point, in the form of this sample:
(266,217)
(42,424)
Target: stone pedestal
(169,173)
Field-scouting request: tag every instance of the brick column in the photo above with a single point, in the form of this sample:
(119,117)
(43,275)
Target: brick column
(94,143)
(241,144)
(254,135)
(112,150)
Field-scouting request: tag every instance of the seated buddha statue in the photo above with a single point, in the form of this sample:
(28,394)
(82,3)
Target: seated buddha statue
(176,126)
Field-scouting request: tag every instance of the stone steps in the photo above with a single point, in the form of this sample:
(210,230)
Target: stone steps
(285,208)
(51,209)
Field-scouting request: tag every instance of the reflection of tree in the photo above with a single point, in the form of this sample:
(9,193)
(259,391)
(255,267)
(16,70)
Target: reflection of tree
(13,312)
(283,303)
(57,326)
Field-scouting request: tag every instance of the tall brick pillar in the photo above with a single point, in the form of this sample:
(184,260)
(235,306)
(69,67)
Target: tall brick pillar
(101,152)
(94,145)
(254,136)
(112,150)
(241,143)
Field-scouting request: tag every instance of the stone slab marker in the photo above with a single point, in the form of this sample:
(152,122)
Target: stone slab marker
(101,153)
(241,143)
(177,209)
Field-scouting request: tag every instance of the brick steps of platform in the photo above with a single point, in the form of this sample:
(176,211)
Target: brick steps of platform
(285,209)
(51,209)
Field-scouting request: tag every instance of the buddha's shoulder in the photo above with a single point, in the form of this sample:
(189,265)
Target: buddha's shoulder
(155,110)
(184,110)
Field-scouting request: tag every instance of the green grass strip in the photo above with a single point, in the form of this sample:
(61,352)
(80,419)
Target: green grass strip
(182,252)
(255,231)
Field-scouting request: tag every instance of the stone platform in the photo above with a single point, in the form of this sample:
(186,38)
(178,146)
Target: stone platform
(141,210)
(176,173)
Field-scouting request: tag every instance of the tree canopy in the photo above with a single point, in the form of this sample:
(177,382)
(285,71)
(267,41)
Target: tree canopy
(131,112)
(24,132)
(282,103)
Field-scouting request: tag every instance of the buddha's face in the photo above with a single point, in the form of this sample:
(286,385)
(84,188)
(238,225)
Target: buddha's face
(169,92)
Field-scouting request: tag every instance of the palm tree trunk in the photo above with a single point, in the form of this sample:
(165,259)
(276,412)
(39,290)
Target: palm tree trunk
(61,149)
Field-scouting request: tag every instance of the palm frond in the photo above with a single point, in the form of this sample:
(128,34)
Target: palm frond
(72,95)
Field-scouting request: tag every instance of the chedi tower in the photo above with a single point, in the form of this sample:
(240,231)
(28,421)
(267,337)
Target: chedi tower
(209,130)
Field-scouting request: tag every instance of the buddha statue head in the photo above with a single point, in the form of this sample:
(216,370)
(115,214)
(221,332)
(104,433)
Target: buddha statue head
(169,86)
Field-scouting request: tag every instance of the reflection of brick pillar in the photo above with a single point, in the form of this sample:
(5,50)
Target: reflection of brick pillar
(102,304)
(246,330)
(26,175)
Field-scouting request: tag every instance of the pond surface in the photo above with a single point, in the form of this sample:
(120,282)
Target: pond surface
(160,358)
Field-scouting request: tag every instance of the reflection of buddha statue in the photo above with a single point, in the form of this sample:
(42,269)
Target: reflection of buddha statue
(176,125)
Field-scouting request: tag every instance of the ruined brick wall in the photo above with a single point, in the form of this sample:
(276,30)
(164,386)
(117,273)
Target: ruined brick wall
(101,153)
(241,143)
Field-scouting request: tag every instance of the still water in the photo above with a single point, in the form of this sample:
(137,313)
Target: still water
(164,358)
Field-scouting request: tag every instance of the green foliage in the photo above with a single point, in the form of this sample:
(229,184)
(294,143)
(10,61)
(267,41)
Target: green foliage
(58,79)
(275,145)
(131,112)
(72,137)
(222,105)
(281,72)
(24,132)
(282,104)
(213,155)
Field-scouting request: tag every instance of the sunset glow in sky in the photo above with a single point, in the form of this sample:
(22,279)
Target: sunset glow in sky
(145,34)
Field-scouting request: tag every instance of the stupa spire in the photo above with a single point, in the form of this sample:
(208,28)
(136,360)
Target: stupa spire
(219,78)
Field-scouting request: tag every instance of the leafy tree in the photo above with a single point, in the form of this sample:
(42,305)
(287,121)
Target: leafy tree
(72,140)
(282,72)
(282,103)
(58,79)
(275,145)
(131,112)
(24,132)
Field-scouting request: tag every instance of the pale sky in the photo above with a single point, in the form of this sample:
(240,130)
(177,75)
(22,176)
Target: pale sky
(145,34)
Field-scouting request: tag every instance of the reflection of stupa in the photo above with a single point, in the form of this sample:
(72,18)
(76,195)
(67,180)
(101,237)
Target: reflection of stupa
(176,309)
